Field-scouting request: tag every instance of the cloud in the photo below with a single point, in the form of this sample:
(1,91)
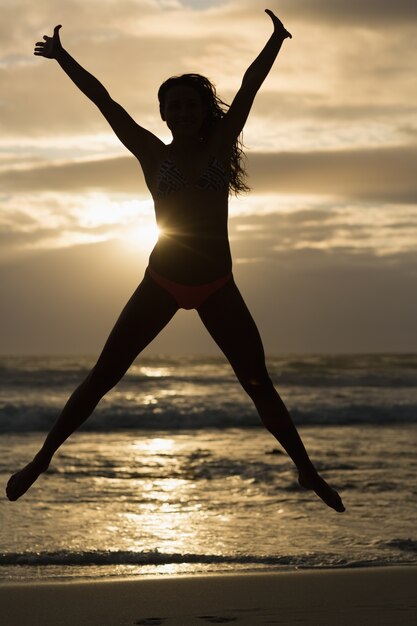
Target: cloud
(49,220)
(66,301)
(119,174)
(352,230)
(132,49)
(386,174)
(335,12)
(355,12)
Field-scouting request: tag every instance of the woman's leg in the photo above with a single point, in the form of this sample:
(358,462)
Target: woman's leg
(149,309)
(228,320)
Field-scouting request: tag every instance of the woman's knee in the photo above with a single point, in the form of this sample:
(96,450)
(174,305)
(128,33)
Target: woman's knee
(101,380)
(256,385)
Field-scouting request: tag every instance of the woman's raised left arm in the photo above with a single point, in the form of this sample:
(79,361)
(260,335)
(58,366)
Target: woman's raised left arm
(259,69)
(234,121)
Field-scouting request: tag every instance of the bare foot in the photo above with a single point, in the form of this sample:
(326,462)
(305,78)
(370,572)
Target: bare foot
(329,496)
(20,482)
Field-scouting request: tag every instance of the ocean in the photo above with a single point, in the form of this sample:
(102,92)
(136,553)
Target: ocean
(174,472)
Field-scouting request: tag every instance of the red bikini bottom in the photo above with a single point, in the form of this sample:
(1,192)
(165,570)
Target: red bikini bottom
(188,296)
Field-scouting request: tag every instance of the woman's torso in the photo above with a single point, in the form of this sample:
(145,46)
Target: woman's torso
(190,192)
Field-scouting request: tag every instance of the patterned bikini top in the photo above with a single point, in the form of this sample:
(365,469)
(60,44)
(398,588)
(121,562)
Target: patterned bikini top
(170,178)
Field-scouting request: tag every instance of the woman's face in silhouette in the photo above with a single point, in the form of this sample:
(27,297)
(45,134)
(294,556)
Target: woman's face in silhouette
(183,111)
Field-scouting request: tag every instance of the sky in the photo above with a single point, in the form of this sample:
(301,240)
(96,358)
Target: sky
(324,245)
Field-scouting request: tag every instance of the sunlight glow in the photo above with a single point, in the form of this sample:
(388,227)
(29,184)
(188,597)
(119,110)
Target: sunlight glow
(132,221)
(160,445)
(154,446)
(155,372)
(144,235)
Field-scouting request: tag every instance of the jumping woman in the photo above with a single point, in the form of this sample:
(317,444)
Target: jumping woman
(190,266)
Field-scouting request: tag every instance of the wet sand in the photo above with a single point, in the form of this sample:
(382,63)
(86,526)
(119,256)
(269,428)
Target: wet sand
(366,596)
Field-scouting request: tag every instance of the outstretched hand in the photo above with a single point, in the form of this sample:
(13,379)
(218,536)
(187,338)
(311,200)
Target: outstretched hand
(278,25)
(51,46)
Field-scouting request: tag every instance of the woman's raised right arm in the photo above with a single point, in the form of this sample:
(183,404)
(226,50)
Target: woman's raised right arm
(141,142)
(52,48)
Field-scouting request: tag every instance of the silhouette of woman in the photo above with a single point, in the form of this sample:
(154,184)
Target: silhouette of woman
(190,265)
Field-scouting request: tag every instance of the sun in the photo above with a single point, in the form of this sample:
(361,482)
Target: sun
(132,221)
(143,235)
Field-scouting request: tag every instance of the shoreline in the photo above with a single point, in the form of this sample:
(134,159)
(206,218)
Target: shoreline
(370,595)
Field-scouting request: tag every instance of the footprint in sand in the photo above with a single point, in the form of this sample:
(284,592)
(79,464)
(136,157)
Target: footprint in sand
(216,619)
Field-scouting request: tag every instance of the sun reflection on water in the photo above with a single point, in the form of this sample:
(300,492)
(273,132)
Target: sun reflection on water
(155,445)
(166,489)
(155,372)
(169,516)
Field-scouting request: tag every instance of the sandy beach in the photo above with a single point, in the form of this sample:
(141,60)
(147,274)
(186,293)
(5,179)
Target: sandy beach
(368,596)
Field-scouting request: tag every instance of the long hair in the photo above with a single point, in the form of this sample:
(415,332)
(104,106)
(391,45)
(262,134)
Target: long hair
(216,109)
